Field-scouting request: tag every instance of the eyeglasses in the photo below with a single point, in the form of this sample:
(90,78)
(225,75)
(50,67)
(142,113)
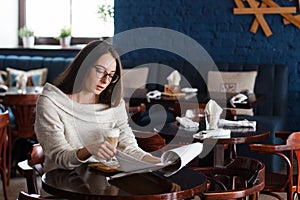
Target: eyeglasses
(101,73)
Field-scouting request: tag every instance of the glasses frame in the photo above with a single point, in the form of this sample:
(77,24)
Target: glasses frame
(112,78)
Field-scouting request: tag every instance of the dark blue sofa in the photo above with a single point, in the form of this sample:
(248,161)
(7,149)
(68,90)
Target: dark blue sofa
(271,80)
(55,65)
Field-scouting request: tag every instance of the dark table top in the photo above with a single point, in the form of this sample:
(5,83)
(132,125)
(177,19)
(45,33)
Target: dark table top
(85,182)
(137,96)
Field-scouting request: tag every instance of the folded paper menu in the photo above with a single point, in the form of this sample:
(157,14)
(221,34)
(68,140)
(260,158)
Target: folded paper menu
(171,161)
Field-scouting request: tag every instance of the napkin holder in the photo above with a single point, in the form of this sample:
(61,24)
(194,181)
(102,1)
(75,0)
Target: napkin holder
(171,89)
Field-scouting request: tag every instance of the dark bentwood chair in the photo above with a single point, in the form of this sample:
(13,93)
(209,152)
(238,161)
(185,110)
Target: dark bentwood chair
(287,182)
(23,109)
(32,167)
(242,178)
(4,127)
(149,141)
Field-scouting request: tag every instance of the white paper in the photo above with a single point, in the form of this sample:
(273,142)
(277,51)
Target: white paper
(240,123)
(185,154)
(187,123)
(216,133)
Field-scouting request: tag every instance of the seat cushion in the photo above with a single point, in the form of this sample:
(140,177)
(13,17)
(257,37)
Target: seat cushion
(220,81)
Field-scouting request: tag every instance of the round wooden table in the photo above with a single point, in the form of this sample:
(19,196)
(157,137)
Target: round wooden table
(85,182)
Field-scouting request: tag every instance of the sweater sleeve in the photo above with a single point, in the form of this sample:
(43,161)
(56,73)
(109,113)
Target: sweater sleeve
(127,141)
(49,130)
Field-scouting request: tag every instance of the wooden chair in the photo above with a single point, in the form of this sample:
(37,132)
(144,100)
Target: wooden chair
(4,126)
(241,178)
(23,109)
(135,109)
(149,141)
(31,167)
(287,182)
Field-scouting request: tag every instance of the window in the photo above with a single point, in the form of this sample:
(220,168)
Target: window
(47,17)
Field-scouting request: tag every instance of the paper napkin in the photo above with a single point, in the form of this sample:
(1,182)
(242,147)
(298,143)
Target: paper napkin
(240,123)
(212,114)
(216,133)
(187,123)
(174,78)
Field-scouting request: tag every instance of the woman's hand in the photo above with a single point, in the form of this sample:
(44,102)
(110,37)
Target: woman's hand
(151,159)
(103,150)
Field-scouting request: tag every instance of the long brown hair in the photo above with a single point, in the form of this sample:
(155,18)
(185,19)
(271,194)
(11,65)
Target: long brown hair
(71,79)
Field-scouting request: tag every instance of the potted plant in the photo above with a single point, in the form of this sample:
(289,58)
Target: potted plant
(106,12)
(65,37)
(27,35)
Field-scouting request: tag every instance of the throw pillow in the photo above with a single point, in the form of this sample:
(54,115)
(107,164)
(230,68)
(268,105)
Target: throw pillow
(3,77)
(232,82)
(135,77)
(36,77)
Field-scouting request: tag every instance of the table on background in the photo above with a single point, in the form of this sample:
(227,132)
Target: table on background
(14,90)
(137,96)
(239,135)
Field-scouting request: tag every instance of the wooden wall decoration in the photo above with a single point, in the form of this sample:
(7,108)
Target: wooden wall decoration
(266,7)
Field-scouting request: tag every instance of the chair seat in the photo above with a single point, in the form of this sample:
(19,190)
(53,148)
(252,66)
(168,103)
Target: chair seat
(241,178)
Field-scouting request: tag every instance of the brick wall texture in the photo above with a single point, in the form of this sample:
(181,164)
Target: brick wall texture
(225,36)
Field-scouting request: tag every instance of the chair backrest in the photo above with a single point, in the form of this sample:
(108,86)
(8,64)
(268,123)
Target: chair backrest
(4,123)
(36,158)
(149,141)
(23,108)
(294,142)
(29,167)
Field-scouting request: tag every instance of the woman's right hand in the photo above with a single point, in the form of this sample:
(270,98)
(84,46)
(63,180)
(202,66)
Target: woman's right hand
(103,150)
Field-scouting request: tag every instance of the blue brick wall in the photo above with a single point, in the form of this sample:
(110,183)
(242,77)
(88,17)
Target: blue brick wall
(225,36)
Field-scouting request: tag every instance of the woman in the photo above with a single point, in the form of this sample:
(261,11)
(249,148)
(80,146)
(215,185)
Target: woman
(84,100)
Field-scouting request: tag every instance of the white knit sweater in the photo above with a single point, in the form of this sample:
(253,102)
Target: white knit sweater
(63,125)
